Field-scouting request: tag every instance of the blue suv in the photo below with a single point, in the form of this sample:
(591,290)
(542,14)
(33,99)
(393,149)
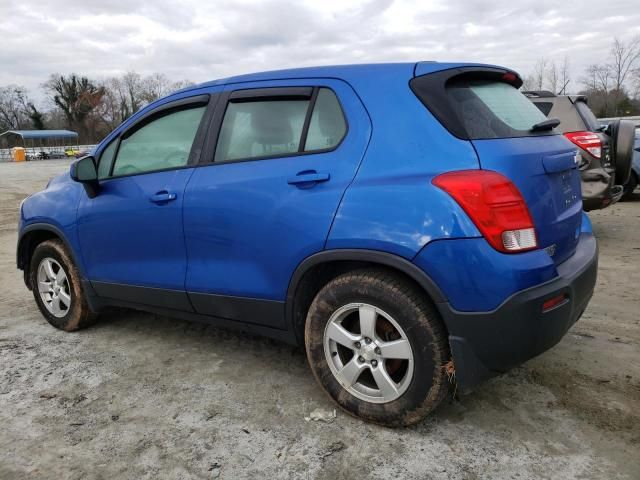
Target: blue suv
(411,225)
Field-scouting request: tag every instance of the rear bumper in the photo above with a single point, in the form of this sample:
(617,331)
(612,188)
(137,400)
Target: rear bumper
(484,344)
(599,189)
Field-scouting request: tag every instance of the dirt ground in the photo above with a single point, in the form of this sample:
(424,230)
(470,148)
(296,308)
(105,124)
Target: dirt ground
(141,396)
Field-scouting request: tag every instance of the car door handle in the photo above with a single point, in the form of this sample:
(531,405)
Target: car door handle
(308,177)
(163,197)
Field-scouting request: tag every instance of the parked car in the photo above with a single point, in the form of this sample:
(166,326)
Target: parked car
(634,177)
(605,150)
(410,225)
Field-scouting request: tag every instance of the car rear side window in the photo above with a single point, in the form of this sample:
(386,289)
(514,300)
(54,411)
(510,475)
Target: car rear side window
(544,107)
(327,126)
(489,109)
(161,144)
(261,129)
(272,127)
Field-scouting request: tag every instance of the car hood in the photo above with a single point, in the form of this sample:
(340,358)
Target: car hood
(59,179)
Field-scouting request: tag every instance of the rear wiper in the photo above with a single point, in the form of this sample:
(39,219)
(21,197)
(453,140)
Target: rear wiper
(545,125)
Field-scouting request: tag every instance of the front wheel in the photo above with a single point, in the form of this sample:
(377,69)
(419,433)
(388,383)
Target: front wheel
(56,287)
(378,347)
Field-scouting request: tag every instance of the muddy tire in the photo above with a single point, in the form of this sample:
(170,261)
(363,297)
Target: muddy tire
(57,289)
(378,347)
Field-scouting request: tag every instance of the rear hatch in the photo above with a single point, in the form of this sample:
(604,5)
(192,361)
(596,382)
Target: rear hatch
(483,105)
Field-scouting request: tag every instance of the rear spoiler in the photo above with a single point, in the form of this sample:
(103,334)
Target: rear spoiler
(450,70)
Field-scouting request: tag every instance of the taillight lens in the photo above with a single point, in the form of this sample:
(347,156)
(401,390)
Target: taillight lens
(588,141)
(495,205)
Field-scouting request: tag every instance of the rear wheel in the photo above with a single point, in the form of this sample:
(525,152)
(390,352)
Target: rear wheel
(56,287)
(377,347)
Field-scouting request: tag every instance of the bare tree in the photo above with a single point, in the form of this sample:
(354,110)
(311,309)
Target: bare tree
(14,108)
(624,56)
(624,59)
(553,77)
(77,97)
(539,73)
(565,76)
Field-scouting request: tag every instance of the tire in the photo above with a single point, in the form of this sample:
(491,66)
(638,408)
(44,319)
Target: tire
(48,259)
(401,313)
(623,134)
(630,187)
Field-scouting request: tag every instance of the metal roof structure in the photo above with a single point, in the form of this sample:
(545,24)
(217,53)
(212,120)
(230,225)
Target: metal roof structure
(41,134)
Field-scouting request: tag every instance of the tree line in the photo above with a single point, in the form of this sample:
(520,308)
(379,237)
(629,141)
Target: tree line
(611,86)
(91,108)
(94,108)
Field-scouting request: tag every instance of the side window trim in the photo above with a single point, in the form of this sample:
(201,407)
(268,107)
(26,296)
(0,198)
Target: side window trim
(211,142)
(164,109)
(279,93)
(197,147)
(307,120)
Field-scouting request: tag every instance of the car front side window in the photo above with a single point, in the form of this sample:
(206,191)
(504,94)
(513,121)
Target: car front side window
(106,160)
(163,143)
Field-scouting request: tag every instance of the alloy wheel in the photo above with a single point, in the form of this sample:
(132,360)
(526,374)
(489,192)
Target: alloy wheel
(368,353)
(54,288)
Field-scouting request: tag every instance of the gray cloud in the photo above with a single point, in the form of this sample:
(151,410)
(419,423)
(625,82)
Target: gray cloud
(206,40)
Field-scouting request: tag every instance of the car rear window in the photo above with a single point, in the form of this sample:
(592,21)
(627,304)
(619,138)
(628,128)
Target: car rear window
(590,120)
(490,109)
(479,103)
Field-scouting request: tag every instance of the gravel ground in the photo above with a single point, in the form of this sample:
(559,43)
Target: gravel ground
(141,396)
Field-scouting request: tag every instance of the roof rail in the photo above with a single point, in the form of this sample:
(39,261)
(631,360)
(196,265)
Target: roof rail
(539,93)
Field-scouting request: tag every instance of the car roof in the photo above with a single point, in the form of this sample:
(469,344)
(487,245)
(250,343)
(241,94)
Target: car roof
(344,72)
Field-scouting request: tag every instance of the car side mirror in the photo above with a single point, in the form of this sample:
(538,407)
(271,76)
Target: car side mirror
(84,171)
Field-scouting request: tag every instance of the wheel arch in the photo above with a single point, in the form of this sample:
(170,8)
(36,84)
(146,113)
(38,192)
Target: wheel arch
(30,237)
(318,269)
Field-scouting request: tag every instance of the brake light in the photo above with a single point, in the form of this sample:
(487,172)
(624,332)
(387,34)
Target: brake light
(495,205)
(588,141)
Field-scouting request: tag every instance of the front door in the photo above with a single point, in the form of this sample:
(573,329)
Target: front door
(131,232)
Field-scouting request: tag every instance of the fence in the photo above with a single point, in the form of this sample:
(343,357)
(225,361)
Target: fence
(45,153)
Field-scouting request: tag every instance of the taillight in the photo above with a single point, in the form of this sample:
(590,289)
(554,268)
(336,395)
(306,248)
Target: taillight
(588,141)
(495,205)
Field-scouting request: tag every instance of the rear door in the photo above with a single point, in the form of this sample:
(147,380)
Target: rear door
(281,155)
(485,107)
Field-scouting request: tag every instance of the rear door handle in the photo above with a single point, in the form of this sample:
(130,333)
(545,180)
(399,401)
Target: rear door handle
(308,177)
(163,197)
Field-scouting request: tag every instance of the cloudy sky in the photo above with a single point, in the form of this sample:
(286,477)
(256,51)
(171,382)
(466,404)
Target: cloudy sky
(201,40)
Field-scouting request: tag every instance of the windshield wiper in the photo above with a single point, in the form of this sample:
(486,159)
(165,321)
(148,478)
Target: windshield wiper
(549,124)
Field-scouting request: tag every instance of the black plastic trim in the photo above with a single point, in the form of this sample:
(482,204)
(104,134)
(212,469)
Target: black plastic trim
(22,262)
(249,310)
(276,93)
(484,344)
(99,304)
(307,120)
(158,297)
(357,255)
